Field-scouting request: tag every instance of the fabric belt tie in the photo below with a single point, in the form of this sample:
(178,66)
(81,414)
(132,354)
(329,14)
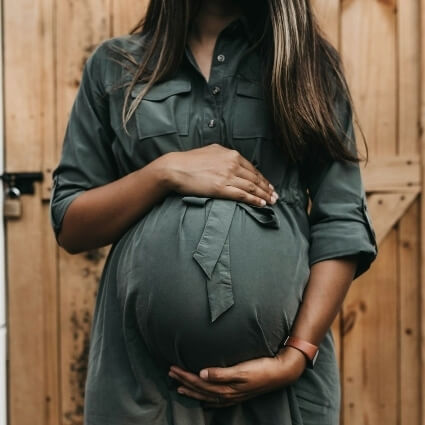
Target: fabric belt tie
(212,252)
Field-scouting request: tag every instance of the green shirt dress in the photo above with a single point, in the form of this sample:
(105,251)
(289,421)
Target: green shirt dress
(200,281)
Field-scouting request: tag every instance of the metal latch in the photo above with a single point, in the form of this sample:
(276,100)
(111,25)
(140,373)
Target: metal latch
(17,184)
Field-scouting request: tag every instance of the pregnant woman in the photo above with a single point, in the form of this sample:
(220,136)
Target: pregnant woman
(213,147)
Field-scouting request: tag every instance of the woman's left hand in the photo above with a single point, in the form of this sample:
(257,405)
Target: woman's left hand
(222,387)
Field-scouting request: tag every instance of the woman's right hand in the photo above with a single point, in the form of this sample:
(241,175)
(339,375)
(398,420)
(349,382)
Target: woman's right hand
(219,172)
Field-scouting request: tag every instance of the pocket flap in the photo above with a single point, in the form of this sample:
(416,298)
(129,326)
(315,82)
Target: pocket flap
(162,90)
(250,89)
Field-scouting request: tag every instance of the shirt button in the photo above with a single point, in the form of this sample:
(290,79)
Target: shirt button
(216,90)
(221,58)
(211,123)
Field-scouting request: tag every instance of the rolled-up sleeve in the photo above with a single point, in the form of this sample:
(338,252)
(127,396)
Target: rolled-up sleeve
(340,223)
(87,159)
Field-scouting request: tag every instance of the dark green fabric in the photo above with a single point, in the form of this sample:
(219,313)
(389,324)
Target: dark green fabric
(201,281)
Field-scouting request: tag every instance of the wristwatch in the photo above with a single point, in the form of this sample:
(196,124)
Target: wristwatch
(310,350)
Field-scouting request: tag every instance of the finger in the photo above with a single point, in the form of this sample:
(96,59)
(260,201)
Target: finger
(252,188)
(256,177)
(188,385)
(243,162)
(226,393)
(233,192)
(250,166)
(228,375)
(198,396)
(196,383)
(224,398)
(213,401)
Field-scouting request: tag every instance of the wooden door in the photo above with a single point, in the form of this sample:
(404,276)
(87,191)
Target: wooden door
(51,293)
(379,325)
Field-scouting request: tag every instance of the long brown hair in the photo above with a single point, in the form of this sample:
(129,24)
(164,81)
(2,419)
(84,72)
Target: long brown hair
(303,77)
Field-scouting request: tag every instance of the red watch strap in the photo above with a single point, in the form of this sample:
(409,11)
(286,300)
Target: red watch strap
(306,347)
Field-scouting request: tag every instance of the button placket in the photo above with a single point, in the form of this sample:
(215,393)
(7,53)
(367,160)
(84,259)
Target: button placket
(213,111)
(211,132)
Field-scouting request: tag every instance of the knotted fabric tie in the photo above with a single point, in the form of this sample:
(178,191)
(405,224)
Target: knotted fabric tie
(212,252)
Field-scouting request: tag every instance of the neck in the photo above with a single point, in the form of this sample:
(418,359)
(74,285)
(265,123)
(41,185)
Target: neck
(213,16)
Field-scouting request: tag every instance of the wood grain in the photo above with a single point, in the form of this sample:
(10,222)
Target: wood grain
(408,54)
(386,209)
(398,173)
(422,214)
(81,25)
(328,16)
(126,14)
(370,370)
(32,282)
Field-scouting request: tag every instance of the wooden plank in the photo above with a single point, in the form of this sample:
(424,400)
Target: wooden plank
(409,316)
(409,76)
(369,54)
(387,209)
(49,247)
(81,25)
(422,213)
(370,369)
(126,14)
(29,127)
(370,329)
(328,14)
(408,245)
(392,173)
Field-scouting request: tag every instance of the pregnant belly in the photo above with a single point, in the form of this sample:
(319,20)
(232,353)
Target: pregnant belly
(212,282)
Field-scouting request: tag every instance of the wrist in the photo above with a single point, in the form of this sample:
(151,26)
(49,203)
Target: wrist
(293,360)
(164,171)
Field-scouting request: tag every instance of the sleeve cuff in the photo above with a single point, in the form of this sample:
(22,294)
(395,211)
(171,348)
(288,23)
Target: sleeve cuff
(58,207)
(339,238)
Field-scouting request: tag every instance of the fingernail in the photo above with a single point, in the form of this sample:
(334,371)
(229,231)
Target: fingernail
(271,186)
(263,202)
(273,199)
(180,391)
(203,374)
(275,195)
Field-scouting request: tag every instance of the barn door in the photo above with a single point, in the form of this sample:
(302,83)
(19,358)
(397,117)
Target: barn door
(50,293)
(379,325)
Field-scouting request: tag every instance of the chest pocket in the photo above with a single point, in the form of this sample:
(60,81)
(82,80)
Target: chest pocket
(251,117)
(164,109)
